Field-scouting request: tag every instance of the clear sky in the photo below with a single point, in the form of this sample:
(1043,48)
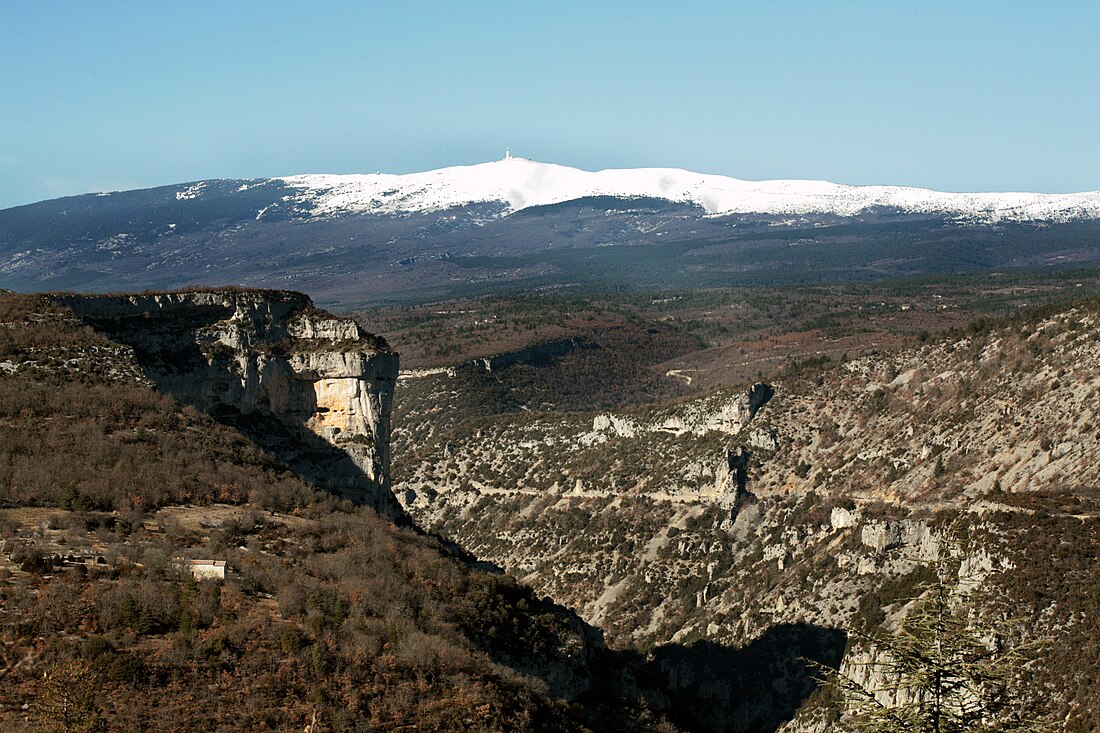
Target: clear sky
(963,95)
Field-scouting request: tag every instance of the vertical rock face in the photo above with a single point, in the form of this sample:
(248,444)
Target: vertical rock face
(312,387)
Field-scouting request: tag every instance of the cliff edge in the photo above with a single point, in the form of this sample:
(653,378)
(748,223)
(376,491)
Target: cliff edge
(312,387)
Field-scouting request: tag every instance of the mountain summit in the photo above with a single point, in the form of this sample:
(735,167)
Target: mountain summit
(519,183)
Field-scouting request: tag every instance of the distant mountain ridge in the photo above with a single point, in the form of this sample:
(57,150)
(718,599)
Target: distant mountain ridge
(518,224)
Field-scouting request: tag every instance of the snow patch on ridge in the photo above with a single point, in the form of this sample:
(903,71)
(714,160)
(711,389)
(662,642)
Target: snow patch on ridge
(519,183)
(191,192)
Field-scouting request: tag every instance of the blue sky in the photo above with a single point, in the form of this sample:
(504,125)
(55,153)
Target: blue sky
(950,95)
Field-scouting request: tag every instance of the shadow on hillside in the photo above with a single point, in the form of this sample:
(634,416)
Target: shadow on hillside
(706,687)
(314,460)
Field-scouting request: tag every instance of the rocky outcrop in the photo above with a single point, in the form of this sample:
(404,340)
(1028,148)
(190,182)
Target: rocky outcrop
(251,356)
(727,412)
(883,535)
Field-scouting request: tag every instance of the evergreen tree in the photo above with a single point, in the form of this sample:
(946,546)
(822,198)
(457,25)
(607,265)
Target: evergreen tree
(945,670)
(67,700)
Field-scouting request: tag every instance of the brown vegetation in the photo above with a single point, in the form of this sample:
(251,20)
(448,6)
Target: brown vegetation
(336,617)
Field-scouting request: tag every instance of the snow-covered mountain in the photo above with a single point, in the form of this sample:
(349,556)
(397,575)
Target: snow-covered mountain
(519,183)
(517,223)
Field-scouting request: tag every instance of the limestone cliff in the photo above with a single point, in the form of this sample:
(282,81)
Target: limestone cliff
(299,380)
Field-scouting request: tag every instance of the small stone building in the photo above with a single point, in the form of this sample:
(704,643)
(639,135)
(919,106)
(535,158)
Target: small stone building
(205,569)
